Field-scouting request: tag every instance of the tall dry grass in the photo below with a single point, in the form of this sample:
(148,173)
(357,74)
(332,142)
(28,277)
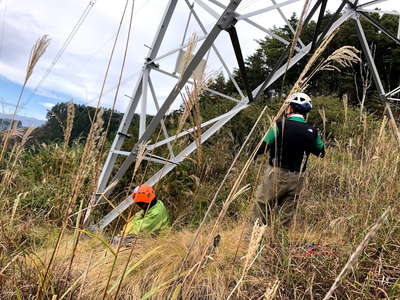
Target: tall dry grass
(191,100)
(346,193)
(8,174)
(37,51)
(86,167)
(67,132)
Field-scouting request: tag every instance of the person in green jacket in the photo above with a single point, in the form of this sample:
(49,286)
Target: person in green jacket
(289,142)
(151,219)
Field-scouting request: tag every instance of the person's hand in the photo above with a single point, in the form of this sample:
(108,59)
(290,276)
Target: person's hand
(261,150)
(256,156)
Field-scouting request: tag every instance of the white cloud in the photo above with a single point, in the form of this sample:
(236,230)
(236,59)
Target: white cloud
(47,104)
(80,71)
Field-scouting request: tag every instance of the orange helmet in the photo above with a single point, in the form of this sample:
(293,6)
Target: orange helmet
(143,193)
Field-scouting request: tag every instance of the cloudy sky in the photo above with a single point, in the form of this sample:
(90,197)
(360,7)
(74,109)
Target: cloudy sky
(79,72)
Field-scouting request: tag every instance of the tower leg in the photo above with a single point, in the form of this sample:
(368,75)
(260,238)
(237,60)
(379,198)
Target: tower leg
(375,75)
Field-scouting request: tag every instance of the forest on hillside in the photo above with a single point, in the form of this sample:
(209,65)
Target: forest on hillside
(346,217)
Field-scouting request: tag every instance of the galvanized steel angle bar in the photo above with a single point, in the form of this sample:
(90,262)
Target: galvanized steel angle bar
(190,130)
(285,53)
(280,71)
(266,9)
(375,74)
(336,15)
(200,38)
(256,25)
(191,82)
(112,215)
(285,19)
(393,92)
(374,2)
(375,11)
(119,138)
(164,128)
(147,156)
(319,21)
(379,26)
(187,24)
(207,8)
(226,18)
(143,103)
(239,57)
(128,115)
(215,49)
(398,30)
(368,55)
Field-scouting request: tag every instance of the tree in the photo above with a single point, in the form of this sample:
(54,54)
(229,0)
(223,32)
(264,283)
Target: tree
(260,64)
(52,131)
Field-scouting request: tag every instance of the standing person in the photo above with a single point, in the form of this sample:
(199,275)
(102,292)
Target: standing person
(151,219)
(290,142)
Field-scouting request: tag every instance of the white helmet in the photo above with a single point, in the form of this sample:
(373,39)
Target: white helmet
(301,102)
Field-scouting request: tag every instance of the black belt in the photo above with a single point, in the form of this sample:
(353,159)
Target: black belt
(271,163)
(288,170)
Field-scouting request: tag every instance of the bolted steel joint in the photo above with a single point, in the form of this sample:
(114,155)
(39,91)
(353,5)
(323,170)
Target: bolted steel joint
(227,20)
(383,98)
(150,63)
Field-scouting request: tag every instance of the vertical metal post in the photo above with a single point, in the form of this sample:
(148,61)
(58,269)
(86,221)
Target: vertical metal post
(164,128)
(375,74)
(120,136)
(128,116)
(392,121)
(368,55)
(187,24)
(398,30)
(143,106)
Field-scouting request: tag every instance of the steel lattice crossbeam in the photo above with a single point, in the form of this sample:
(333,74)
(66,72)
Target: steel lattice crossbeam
(223,22)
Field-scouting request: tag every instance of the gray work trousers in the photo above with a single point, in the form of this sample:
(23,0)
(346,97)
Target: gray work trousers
(277,195)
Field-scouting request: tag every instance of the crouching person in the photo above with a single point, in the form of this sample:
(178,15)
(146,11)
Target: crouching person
(150,220)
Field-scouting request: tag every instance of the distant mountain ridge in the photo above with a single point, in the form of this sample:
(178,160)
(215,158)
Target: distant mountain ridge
(26,121)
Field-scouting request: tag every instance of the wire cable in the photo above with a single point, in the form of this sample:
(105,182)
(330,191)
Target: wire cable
(60,52)
(105,42)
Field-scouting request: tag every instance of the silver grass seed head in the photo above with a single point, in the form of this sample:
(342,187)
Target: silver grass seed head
(37,51)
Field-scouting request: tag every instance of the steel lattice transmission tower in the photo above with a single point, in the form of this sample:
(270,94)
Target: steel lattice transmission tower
(226,16)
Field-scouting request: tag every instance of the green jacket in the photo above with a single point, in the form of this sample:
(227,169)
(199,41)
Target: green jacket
(154,220)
